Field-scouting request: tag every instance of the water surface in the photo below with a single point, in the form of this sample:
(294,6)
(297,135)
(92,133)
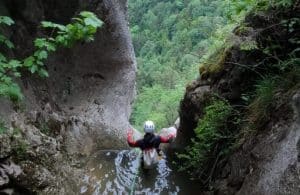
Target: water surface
(119,172)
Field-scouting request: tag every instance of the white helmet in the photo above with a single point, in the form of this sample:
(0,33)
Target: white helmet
(149,127)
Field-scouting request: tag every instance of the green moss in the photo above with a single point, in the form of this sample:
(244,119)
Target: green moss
(215,63)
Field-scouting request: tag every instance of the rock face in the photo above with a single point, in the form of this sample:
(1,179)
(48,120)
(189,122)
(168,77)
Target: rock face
(264,162)
(92,85)
(86,102)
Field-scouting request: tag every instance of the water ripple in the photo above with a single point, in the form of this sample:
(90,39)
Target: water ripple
(113,172)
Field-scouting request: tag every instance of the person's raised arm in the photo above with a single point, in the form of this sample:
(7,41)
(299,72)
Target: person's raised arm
(167,139)
(130,140)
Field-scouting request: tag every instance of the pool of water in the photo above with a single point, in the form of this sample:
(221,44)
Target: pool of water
(119,172)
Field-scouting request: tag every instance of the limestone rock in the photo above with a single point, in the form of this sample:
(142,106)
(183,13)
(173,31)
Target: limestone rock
(8,170)
(5,146)
(85,103)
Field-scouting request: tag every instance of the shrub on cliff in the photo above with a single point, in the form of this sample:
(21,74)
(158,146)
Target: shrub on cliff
(213,137)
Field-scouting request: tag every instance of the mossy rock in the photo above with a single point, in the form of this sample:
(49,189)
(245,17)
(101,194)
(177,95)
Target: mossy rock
(215,64)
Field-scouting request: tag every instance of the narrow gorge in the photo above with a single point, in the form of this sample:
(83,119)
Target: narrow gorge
(227,71)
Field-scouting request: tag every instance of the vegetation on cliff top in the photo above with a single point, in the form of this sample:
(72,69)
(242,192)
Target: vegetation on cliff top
(169,38)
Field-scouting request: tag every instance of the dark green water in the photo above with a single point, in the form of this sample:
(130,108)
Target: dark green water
(114,172)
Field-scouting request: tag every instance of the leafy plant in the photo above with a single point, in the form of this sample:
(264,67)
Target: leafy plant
(158,104)
(211,141)
(82,27)
(237,9)
(261,105)
(282,81)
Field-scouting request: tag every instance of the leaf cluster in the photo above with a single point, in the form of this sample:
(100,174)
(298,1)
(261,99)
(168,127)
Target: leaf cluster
(82,28)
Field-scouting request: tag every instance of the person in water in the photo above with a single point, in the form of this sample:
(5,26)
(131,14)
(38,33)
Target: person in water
(149,144)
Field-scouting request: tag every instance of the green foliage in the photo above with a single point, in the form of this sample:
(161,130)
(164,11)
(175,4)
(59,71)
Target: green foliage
(158,104)
(260,107)
(169,38)
(82,27)
(210,133)
(237,9)
(223,38)
(220,40)
(248,45)
(9,89)
(264,98)
(6,42)
(6,20)
(20,149)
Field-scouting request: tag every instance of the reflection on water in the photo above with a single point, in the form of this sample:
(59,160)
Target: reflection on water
(113,172)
